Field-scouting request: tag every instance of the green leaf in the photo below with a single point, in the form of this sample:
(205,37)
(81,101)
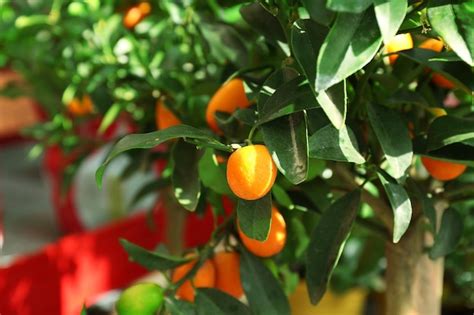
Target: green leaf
(264,292)
(84,310)
(392,133)
(449,129)
(151,260)
(449,234)
(263,21)
(426,203)
(185,178)
(318,12)
(215,302)
(287,141)
(333,101)
(457,72)
(352,42)
(390,15)
(212,174)
(327,243)
(328,143)
(455,24)
(348,6)
(180,307)
(401,205)
(306,40)
(284,93)
(109,117)
(152,139)
(254,217)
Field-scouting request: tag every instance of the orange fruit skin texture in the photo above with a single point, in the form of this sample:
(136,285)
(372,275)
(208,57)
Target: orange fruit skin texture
(136,14)
(251,172)
(81,107)
(438,79)
(205,277)
(228,273)
(227,99)
(276,238)
(442,170)
(398,43)
(165,118)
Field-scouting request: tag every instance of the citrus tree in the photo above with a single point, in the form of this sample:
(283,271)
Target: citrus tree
(325,123)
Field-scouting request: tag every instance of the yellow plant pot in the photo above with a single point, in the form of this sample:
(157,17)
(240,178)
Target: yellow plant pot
(349,303)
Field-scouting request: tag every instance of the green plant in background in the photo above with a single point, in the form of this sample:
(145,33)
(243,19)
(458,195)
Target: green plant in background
(343,105)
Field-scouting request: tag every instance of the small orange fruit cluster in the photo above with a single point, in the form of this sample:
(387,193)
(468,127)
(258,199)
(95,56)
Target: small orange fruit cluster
(136,14)
(81,107)
(221,272)
(404,41)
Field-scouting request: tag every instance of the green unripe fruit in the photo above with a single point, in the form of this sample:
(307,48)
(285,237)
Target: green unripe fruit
(140,299)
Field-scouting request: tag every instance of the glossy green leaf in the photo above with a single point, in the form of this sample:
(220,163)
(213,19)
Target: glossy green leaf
(263,291)
(327,243)
(328,143)
(333,101)
(401,205)
(216,302)
(318,12)
(306,40)
(454,22)
(185,178)
(426,202)
(212,174)
(263,21)
(449,234)
(152,139)
(280,96)
(390,15)
(151,260)
(254,217)
(287,140)
(357,6)
(352,42)
(392,133)
(449,129)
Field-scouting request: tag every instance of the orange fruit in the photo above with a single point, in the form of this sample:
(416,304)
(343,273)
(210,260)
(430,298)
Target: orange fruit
(227,99)
(275,241)
(251,172)
(442,170)
(165,118)
(228,273)
(438,79)
(81,107)
(398,43)
(136,14)
(205,277)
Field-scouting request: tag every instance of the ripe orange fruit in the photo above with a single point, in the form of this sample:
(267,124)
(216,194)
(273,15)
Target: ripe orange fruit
(228,273)
(136,14)
(442,170)
(81,107)
(275,241)
(398,43)
(227,99)
(438,79)
(251,172)
(205,277)
(165,118)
